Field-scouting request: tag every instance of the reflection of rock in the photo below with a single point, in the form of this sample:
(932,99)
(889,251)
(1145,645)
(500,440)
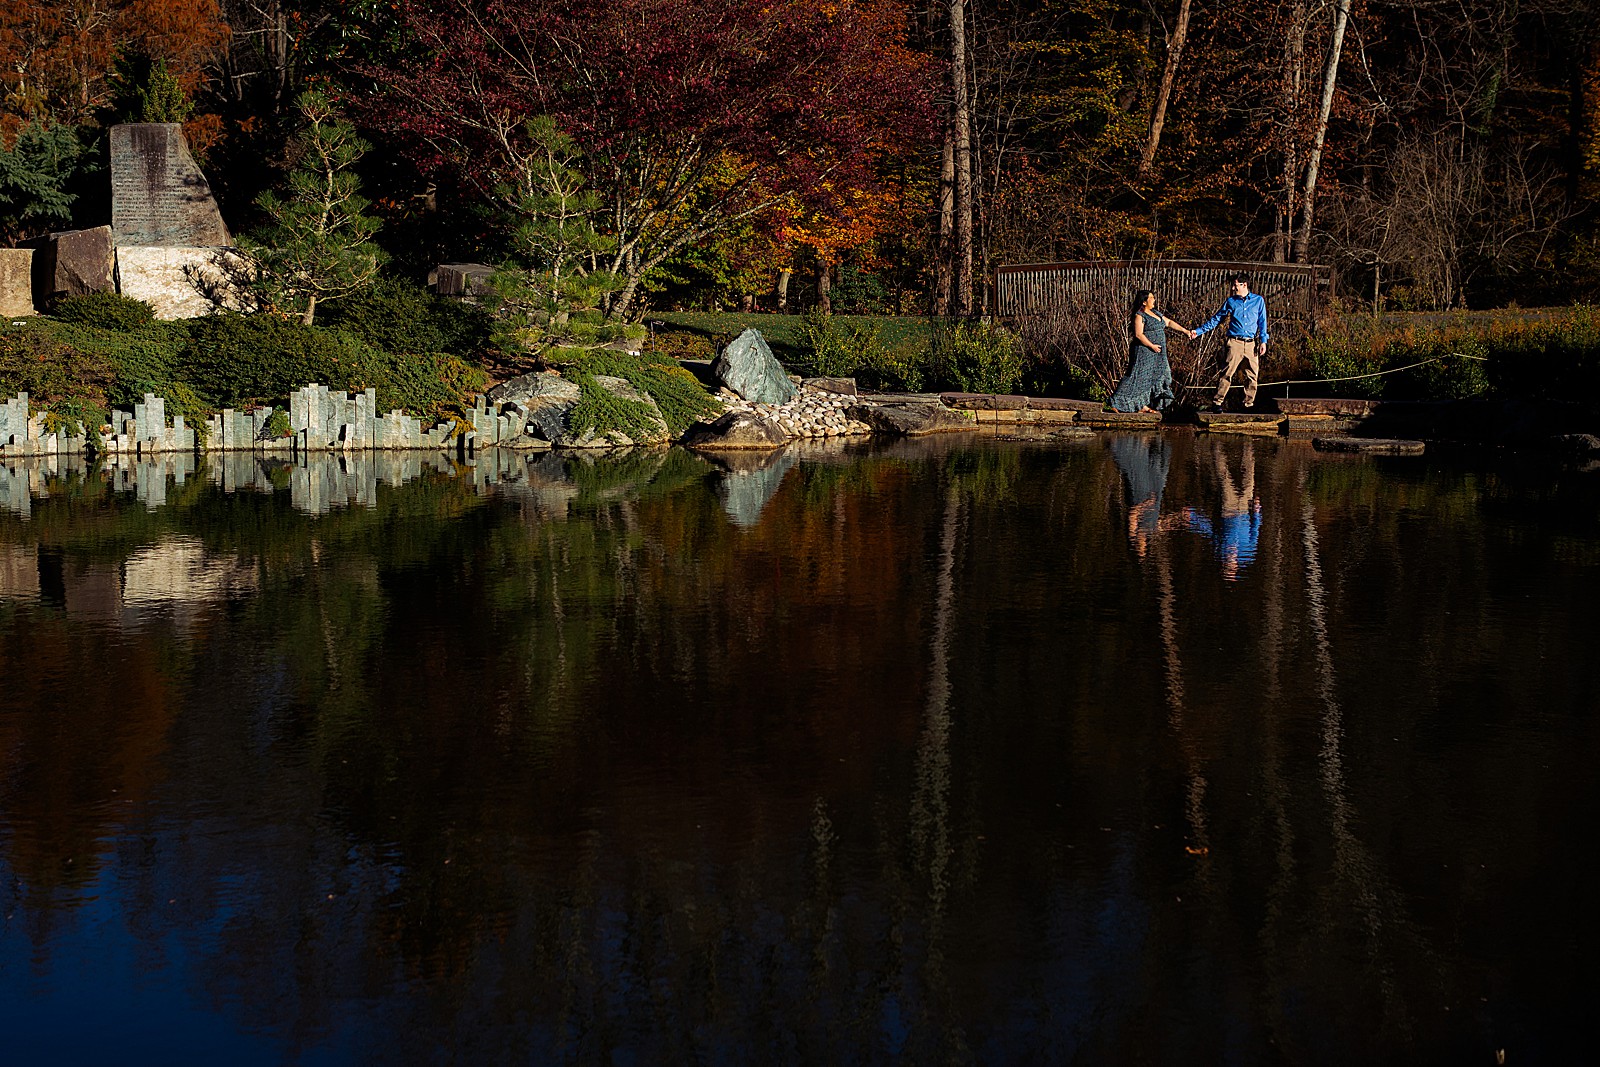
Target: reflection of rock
(735,431)
(912,420)
(19,571)
(748,367)
(749,481)
(1371,446)
(180,569)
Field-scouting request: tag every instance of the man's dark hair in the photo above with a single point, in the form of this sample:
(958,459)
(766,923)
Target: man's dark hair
(1239,276)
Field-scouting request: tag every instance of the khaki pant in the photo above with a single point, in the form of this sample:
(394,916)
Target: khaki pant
(1240,352)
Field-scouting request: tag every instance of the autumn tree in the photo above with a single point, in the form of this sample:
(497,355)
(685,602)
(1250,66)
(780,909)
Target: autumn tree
(690,121)
(55,57)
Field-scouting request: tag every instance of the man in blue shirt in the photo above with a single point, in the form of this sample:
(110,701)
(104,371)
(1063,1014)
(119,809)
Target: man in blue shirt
(1246,313)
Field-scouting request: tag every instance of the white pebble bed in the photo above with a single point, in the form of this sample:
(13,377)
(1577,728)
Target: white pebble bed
(812,413)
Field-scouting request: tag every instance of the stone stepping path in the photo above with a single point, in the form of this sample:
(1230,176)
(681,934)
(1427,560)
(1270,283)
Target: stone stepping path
(1369,446)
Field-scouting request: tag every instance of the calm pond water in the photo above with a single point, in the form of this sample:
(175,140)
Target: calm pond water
(1134,750)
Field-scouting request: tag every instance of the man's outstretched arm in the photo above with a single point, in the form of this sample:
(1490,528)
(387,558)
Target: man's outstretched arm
(1213,322)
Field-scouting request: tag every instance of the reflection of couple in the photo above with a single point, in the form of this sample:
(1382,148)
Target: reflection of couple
(1233,530)
(1238,525)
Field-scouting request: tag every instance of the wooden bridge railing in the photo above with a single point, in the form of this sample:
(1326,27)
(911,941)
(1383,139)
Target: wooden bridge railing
(1294,292)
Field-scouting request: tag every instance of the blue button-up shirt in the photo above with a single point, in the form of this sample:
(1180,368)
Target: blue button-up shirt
(1249,315)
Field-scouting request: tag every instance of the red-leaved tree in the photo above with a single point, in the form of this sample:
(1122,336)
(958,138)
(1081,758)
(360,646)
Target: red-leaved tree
(693,117)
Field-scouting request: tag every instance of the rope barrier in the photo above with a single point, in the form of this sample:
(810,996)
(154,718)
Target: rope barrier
(1353,377)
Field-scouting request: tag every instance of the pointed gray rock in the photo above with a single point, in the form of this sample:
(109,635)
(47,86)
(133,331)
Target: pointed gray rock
(748,367)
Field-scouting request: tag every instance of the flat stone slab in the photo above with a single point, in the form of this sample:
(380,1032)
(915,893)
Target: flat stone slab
(1119,420)
(1228,418)
(1306,425)
(16,282)
(1011,402)
(912,420)
(984,401)
(1369,446)
(840,386)
(1325,406)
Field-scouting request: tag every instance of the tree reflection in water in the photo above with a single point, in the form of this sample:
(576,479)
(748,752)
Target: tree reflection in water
(932,754)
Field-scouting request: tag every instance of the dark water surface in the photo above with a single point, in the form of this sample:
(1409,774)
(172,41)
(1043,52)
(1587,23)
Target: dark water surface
(1139,750)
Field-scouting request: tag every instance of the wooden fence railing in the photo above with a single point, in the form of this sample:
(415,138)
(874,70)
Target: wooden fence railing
(1294,292)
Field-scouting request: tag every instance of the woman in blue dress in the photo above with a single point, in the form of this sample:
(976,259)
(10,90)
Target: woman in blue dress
(1147,386)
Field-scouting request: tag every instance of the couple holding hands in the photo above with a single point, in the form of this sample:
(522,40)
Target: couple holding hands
(1147,386)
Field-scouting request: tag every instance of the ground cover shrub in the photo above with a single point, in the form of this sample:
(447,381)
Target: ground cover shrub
(397,315)
(70,385)
(105,311)
(680,396)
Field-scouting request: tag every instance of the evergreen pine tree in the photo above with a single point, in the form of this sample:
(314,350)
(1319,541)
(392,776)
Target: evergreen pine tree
(549,301)
(317,245)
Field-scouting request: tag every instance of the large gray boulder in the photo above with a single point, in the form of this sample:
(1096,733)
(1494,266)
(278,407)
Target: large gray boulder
(735,432)
(543,399)
(72,263)
(748,367)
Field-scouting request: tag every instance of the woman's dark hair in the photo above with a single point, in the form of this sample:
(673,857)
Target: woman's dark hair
(1138,300)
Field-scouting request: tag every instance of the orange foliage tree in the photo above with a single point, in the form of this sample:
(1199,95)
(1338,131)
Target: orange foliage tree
(55,54)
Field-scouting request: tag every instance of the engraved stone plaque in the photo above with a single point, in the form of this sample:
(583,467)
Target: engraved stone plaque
(159,197)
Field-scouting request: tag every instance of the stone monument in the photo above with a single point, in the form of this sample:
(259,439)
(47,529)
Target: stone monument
(173,249)
(158,194)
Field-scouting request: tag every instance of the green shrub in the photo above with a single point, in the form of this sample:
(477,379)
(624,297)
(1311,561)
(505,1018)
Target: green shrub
(833,348)
(70,384)
(977,357)
(397,315)
(1333,356)
(232,359)
(1452,368)
(105,311)
(896,368)
(680,396)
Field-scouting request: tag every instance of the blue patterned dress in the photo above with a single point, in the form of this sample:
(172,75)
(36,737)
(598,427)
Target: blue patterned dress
(1148,383)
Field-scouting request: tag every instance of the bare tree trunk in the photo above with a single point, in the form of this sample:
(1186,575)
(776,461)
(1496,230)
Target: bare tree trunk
(781,291)
(1158,117)
(947,221)
(824,283)
(311,310)
(963,158)
(1294,48)
(1330,75)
